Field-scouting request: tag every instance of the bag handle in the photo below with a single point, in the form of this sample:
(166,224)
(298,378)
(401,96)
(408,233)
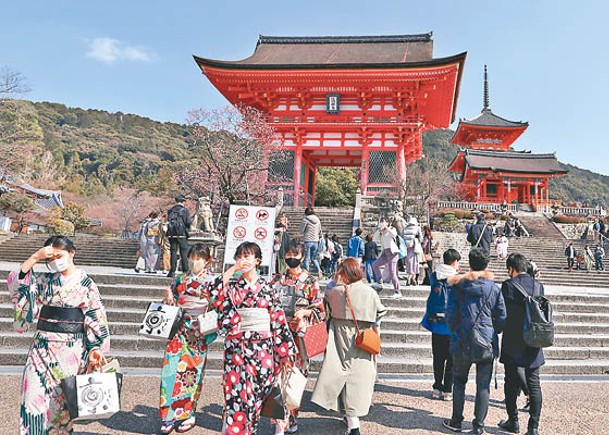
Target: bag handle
(351,308)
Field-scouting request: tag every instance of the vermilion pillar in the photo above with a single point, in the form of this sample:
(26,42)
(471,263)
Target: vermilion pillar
(297,168)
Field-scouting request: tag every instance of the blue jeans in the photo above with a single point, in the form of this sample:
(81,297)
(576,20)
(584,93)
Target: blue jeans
(369,272)
(311,255)
(484,372)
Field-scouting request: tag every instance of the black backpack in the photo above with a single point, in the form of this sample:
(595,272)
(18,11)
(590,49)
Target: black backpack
(338,251)
(176,226)
(538,328)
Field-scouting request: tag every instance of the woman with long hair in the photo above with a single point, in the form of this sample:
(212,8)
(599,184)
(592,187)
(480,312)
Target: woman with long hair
(348,373)
(186,354)
(257,344)
(71,333)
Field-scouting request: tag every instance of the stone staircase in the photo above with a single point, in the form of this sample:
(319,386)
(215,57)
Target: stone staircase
(90,250)
(539,226)
(582,340)
(334,220)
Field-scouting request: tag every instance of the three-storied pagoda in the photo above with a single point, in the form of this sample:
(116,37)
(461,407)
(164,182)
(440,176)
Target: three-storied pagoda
(355,101)
(490,171)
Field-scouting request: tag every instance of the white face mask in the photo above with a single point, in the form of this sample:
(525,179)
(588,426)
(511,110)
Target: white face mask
(249,268)
(197,266)
(58,265)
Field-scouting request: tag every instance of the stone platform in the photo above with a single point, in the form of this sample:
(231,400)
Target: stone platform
(398,408)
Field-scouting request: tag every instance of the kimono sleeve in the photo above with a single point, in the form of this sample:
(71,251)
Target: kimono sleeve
(316,302)
(228,317)
(26,296)
(96,321)
(283,341)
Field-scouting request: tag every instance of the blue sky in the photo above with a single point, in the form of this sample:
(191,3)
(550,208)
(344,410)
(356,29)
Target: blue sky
(547,60)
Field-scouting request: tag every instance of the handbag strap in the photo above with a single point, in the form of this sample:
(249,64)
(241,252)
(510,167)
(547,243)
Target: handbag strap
(481,234)
(351,308)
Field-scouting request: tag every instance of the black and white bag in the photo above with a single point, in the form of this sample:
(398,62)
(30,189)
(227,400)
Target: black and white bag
(161,321)
(92,396)
(538,328)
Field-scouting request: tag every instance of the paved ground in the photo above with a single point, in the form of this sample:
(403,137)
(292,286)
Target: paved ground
(399,408)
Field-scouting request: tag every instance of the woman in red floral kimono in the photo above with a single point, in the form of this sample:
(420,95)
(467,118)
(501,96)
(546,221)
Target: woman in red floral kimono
(186,354)
(258,341)
(308,306)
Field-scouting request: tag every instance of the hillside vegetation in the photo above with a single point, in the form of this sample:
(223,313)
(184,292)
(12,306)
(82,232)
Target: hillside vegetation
(93,152)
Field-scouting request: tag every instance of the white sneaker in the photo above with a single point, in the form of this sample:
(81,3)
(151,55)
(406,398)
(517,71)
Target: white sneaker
(436,394)
(447,397)
(292,429)
(396,296)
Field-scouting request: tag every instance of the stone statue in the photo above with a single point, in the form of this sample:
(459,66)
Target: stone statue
(203,218)
(397,221)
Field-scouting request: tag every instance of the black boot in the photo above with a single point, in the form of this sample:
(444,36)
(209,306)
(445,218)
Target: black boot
(509,425)
(532,432)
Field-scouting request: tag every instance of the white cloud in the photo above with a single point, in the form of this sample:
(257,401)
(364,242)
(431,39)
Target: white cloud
(110,50)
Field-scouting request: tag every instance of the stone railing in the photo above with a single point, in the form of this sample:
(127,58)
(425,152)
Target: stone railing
(581,211)
(464,205)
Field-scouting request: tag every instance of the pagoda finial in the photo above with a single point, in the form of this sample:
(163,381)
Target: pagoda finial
(486,97)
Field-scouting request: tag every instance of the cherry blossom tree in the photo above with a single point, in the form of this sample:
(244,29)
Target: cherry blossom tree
(232,145)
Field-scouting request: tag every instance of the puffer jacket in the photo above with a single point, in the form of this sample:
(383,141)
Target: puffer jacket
(310,228)
(465,300)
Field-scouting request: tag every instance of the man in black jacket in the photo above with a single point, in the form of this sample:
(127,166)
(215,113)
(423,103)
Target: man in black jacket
(480,235)
(514,352)
(179,222)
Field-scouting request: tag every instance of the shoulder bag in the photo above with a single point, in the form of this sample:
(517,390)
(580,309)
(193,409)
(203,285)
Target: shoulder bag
(366,339)
(480,351)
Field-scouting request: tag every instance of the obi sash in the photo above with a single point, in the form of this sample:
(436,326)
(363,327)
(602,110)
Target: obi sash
(255,319)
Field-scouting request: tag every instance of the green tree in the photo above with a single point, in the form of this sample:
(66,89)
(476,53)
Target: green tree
(17,203)
(336,187)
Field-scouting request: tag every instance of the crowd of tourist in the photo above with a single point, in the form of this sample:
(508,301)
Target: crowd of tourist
(264,326)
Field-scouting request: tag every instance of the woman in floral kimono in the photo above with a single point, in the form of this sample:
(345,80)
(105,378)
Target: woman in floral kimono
(308,306)
(72,332)
(186,354)
(258,341)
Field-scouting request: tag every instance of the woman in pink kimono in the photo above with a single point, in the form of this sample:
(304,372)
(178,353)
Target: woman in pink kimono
(72,332)
(258,341)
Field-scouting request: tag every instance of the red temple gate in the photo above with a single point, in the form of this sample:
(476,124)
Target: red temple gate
(361,101)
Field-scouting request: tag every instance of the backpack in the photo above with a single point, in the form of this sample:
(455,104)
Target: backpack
(402,246)
(153,230)
(338,251)
(538,328)
(176,226)
(436,303)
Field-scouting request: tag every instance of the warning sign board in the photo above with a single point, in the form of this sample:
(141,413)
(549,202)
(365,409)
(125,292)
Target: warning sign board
(250,224)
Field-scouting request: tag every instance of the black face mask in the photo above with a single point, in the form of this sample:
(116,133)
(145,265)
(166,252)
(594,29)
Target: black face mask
(293,262)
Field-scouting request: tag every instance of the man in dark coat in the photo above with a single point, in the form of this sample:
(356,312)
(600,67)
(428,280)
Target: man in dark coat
(570,253)
(480,235)
(514,352)
(179,222)
(474,299)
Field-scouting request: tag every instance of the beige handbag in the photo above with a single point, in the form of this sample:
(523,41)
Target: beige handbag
(293,385)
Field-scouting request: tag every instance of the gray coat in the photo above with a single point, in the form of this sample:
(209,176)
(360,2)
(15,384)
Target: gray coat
(310,228)
(347,372)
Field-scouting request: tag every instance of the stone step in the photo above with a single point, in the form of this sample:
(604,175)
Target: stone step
(153,359)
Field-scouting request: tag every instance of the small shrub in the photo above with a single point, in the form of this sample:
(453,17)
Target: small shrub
(564,219)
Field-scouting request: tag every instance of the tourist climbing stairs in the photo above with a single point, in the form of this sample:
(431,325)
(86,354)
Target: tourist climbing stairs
(334,220)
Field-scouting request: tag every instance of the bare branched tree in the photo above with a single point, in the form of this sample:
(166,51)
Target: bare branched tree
(12,83)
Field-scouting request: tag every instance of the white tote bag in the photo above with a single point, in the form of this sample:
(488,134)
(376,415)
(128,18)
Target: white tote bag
(161,321)
(293,386)
(92,396)
(208,322)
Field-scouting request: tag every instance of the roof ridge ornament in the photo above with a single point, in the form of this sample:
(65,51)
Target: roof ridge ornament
(486,101)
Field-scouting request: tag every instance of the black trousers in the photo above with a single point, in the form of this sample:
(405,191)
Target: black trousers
(484,372)
(512,388)
(570,262)
(442,363)
(180,243)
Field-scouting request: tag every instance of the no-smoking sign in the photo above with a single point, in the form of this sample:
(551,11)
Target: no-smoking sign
(262,215)
(260,233)
(241,214)
(239,232)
